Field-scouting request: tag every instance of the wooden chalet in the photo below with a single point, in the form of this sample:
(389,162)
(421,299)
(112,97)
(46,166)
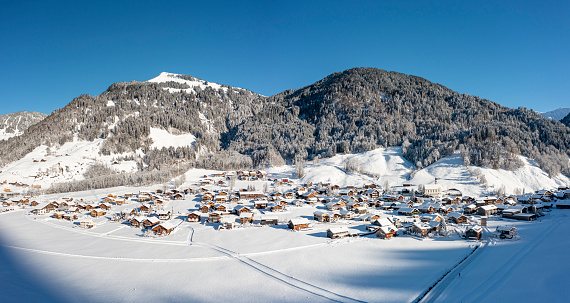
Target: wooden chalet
(457,218)
(299,224)
(194,216)
(150,222)
(205,209)
(337,232)
(269,220)
(164,228)
(487,210)
(58,215)
(241,209)
(136,221)
(214,217)
(97,213)
(260,204)
(321,216)
(277,208)
(164,215)
(246,218)
(386,232)
(250,195)
(474,232)
(70,216)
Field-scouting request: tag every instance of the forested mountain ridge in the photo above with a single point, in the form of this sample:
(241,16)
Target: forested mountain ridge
(354,110)
(14,124)
(566,120)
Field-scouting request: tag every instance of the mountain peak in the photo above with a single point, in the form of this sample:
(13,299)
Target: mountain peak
(184,79)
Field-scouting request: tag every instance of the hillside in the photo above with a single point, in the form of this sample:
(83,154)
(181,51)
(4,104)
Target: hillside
(566,120)
(557,114)
(15,124)
(182,119)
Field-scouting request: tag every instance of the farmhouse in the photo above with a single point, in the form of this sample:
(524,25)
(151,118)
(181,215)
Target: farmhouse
(150,222)
(487,210)
(136,221)
(321,216)
(97,213)
(457,218)
(250,195)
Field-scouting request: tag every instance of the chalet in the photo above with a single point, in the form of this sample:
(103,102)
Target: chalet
(221,198)
(105,206)
(228,222)
(43,208)
(205,209)
(457,218)
(150,222)
(194,216)
(250,195)
(337,232)
(177,196)
(563,204)
(427,207)
(58,215)
(372,193)
(347,214)
(145,208)
(86,223)
(260,204)
(120,201)
(241,209)
(164,228)
(137,221)
(70,216)
(297,202)
(408,211)
(206,197)
(474,232)
(419,228)
(429,218)
(361,210)
(386,232)
(277,208)
(269,220)
(335,204)
(97,213)
(220,207)
(321,216)
(245,218)
(164,215)
(299,224)
(89,207)
(469,209)
(214,217)
(368,217)
(289,195)
(487,210)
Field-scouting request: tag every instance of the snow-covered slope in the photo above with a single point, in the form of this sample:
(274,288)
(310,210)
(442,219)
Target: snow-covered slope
(190,81)
(15,124)
(162,138)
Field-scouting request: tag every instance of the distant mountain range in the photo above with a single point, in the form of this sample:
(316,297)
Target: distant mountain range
(557,114)
(15,124)
(355,110)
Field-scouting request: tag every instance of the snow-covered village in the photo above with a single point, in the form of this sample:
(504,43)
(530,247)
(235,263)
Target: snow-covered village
(303,239)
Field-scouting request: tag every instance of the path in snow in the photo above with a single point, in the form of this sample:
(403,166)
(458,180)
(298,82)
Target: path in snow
(291,281)
(437,289)
(503,272)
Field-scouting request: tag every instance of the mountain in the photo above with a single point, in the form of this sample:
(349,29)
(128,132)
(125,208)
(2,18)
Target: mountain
(566,120)
(222,127)
(15,124)
(557,114)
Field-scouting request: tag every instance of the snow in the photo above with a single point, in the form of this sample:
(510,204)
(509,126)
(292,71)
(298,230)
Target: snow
(110,103)
(162,138)
(168,77)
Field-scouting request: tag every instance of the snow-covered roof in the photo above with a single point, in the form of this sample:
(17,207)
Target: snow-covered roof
(299,221)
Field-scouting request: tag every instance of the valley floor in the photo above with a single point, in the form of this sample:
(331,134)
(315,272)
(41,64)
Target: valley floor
(45,260)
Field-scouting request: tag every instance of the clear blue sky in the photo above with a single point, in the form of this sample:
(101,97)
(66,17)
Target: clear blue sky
(515,53)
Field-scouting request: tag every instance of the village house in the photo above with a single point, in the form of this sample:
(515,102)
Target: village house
(164,215)
(506,231)
(194,216)
(150,222)
(245,217)
(214,217)
(97,213)
(86,223)
(487,210)
(337,232)
(164,228)
(299,224)
(241,209)
(269,220)
(473,233)
(386,232)
(137,221)
(457,218)
(228,222)
(260,204)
